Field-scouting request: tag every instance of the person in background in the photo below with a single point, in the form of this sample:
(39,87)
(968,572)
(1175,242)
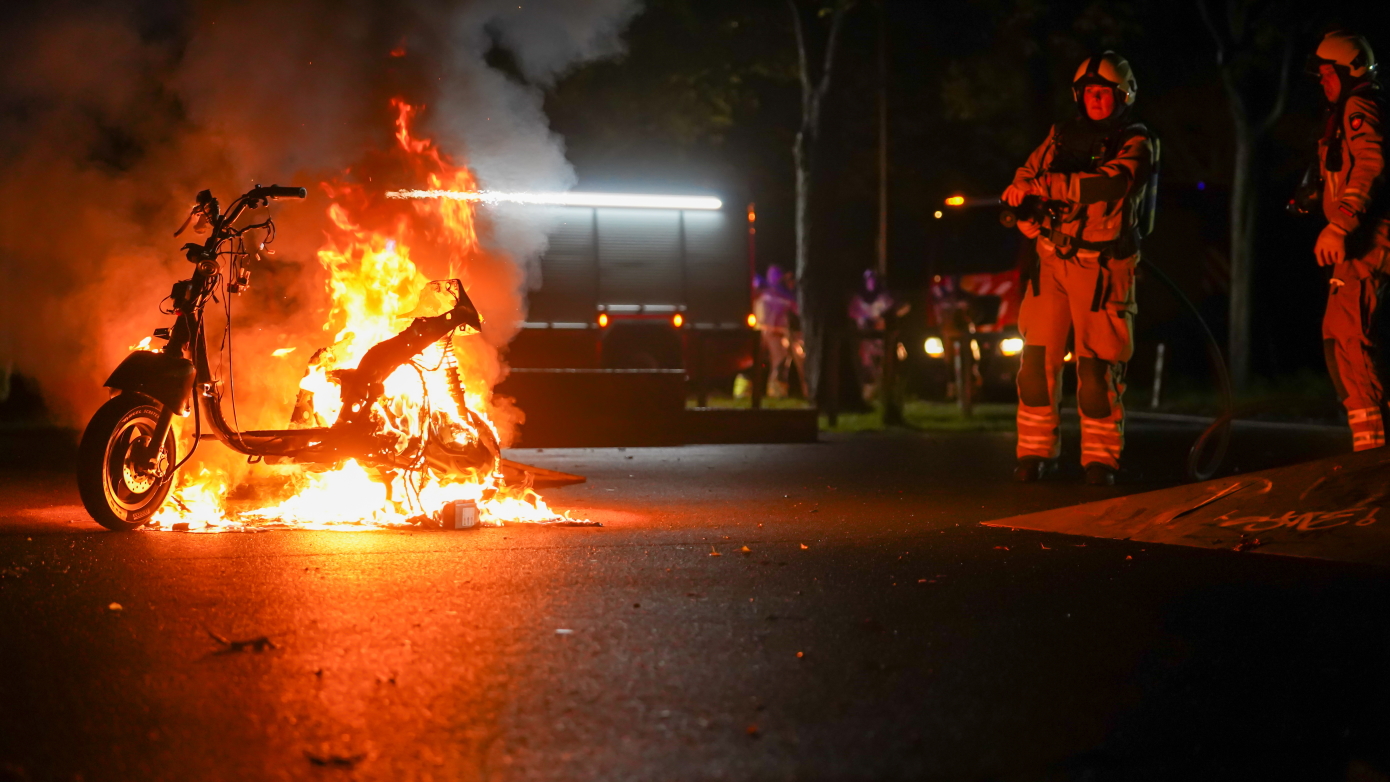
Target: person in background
(951,311)
(1356,241)
(774,309)
(868,309)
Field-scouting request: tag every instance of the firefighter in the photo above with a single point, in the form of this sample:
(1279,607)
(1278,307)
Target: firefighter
(1092,172)
(1356,240)
(774,308)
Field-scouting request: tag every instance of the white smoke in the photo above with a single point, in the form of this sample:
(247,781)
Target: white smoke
(112,117)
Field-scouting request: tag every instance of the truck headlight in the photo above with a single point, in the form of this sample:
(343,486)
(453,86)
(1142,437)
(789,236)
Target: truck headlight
(1011,346)
(935,347)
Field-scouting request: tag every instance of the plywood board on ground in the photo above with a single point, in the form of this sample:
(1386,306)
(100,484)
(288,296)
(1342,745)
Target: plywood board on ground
(1326,509)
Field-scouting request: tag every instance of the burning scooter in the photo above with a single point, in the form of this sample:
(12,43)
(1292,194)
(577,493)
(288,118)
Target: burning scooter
(128,456)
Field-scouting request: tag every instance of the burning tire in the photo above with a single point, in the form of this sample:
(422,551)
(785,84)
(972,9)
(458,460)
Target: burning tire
(116,492)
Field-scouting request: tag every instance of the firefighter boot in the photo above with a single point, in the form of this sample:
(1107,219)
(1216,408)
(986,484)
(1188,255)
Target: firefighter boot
(1031,469)
(1098,474)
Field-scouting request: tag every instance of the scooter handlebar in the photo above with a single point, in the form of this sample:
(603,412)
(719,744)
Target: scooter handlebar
(277,191)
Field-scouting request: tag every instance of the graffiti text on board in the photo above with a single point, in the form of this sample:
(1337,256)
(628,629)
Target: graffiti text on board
(1302,522)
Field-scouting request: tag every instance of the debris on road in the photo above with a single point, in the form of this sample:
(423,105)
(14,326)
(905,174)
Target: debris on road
(258,644)
(752,731)
(347,762)
(564,631)
(714,553)
(745,550)
(1248,544)
(804,546)
(114,607)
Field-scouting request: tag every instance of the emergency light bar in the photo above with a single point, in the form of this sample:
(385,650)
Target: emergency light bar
(620,200)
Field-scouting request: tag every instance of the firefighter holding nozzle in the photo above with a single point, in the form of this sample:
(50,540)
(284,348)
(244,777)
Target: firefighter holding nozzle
(1091,175)
(1356,241)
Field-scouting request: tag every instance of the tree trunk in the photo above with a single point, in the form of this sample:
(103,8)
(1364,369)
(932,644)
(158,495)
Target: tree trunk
(815,289)
(1244,203)
(1237,33)
(813,324)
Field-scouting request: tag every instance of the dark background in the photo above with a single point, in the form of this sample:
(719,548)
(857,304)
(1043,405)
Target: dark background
(706,99)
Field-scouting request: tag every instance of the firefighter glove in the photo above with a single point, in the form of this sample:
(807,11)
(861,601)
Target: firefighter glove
(1331,247)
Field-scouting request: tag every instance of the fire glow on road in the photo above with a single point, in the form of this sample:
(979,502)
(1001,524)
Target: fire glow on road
(621,200)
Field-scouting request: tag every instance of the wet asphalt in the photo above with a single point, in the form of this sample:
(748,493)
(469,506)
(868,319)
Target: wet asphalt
(766,612)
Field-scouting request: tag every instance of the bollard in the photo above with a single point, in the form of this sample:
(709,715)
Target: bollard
(965,386)
(1158,377)
(832,394)
(888,380)
(701,380)
(755,392)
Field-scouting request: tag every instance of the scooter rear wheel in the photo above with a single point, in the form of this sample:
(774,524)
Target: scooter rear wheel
(116,492)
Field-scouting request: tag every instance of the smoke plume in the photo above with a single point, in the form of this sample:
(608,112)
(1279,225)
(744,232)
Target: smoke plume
(112,116)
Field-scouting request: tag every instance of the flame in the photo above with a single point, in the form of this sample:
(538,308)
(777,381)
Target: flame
(375,287)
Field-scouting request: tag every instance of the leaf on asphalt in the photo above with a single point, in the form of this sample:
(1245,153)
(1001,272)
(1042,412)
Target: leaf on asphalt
(804,546)
(745,550)
(114,607)
(752,731)
(258,644)
(799,655)
(714,553)
(999,548)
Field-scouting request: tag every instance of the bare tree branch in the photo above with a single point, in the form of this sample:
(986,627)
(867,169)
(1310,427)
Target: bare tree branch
(1282,96)
(1218,34)
(801,60)
(831,45)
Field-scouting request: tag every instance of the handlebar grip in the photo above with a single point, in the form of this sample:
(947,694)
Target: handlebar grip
(277,191)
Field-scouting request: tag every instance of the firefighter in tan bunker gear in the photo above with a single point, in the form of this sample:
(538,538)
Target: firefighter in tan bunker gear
(1356,241)
(1093,169)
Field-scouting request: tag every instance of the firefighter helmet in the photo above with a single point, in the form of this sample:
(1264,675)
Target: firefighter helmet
(1111,70)
(1348,53)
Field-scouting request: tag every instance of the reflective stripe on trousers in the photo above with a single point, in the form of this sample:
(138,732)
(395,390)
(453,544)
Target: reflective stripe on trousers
(1064,302)
(1367,428)
(1347,329)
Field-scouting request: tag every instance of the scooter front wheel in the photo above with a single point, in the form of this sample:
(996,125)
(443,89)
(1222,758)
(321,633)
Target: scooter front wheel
(118,492)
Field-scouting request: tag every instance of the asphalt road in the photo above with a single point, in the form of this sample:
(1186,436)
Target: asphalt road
(871,630)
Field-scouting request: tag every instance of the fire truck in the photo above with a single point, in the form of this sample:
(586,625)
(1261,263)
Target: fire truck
(639,282)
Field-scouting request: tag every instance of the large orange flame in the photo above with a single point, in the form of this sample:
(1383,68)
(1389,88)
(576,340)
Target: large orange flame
(375,287)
